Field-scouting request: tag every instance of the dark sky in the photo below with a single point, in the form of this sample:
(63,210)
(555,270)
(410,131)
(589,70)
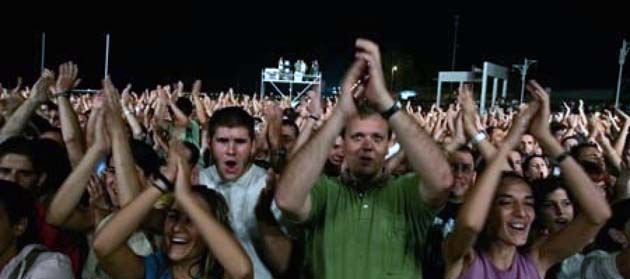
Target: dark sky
(228,44)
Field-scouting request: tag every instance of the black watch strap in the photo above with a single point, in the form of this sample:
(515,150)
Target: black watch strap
(391,111)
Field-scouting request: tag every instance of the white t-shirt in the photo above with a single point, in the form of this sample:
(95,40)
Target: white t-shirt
(241,197)
(601,265)
(47,265)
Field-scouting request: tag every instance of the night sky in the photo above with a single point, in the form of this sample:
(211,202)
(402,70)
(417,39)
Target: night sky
(227,45)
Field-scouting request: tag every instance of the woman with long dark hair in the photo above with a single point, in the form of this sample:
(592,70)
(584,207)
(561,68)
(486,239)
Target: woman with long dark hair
(197,240)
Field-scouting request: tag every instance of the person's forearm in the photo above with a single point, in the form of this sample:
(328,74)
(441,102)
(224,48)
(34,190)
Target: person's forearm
(126,175)
(594,206)
(222,244)
(201,111)
(90,129)
(306,165)
(71,131)
(15,124)
(136,128)
(621,139)
(611,155)
(115,233)
(424,156)
(69,194)
(277,246)
(305,135)
(622,186)
(180,119)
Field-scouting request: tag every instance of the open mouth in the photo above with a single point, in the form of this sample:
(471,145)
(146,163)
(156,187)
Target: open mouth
(179,240)
(517,226)
(230,165)
(561,221)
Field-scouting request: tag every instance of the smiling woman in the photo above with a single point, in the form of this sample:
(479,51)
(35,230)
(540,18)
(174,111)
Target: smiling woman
(494,223)
(198,242)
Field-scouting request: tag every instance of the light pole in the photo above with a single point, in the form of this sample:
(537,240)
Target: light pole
(523,70)
(623,51)
(394,70)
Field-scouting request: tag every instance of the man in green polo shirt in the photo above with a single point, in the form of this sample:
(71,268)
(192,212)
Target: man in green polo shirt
(365,224)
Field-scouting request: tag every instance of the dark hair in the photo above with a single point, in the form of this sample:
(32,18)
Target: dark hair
(529,159)
(506,178)
(194,152)
(20,146)
(209,267)
(185,105)
(291,123)
(144,156)
(575,137)
(231,117)
(19,204)
(290,114)
(55,163)
(618,220)
(556,126)
(542,189)
(576,150)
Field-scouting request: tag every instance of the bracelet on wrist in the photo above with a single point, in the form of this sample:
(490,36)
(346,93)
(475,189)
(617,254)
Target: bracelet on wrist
(64,94)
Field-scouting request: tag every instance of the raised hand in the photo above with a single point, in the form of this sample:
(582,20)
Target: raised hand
(196,90)
(17,87)
(375,91)
(102,138)
(540,124)
(67,78)
(41,88)
(98,198)
(315,105)
(126,96)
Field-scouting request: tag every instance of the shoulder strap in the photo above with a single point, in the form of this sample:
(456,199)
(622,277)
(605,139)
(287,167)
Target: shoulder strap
(26,263)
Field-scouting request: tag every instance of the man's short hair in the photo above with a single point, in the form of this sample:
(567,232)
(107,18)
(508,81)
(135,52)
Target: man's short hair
(185,105)
(145,157)
(291,123)
(529,159)
(231,117)
(365,111)
(20,146)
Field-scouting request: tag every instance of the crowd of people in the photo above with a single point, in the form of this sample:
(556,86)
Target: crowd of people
(170,183)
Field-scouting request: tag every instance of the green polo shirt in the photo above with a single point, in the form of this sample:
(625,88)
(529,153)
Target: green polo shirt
(376,234)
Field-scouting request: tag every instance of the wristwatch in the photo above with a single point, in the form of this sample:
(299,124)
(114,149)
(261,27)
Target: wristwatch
(391,110)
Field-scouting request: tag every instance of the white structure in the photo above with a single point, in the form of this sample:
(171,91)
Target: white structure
(490,70)
(522,68)
(299,81)
(623,51)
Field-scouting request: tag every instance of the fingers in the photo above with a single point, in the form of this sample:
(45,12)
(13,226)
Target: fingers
(353,75)
(196,86)
(370,48)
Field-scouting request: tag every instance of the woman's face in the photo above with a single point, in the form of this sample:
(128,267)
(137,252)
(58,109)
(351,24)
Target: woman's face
(557,211)
(181,238)
(512,213)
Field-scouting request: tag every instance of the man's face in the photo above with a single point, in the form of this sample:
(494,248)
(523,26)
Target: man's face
(527,145)
(288,137)
(463,166)
(232,150)
(18,169)
(365,145)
